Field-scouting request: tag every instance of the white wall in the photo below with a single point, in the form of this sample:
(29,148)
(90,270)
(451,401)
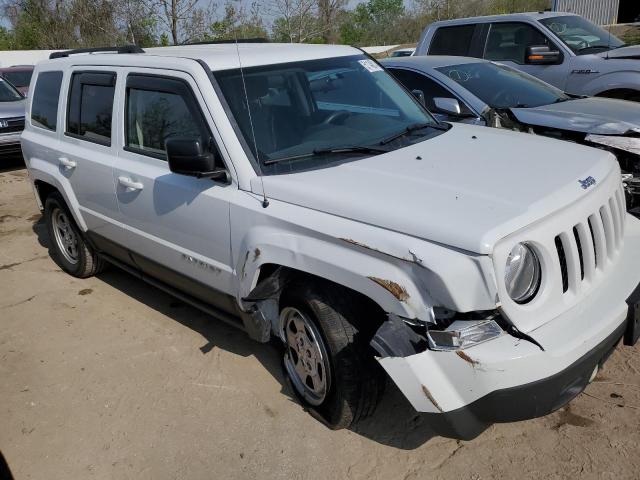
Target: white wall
(23,57)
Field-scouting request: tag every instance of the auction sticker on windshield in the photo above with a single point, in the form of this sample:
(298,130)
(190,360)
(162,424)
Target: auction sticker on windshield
(370,65)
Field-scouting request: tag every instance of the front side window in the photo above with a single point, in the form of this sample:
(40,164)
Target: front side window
(91,106)
(19,78)
(430,88)
(158,109)
(500,86)
(580,35)
(509,41)
(294,112)
(8,93)
(454,40)
(44,106)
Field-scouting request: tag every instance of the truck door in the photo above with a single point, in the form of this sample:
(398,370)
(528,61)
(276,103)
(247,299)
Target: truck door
(507,43)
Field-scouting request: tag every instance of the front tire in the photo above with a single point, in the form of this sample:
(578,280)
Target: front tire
(69,248)
(327,358)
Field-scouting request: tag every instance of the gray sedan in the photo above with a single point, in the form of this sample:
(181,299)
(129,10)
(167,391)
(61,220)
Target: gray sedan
(488,93)
(11,118)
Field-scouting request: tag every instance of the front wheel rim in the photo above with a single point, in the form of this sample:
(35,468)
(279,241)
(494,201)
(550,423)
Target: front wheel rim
(306,359)
(64,235)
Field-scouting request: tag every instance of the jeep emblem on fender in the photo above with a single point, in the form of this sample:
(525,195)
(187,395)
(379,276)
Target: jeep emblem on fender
(587,182)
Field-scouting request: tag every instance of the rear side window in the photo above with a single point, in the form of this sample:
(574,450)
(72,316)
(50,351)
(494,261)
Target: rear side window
(46,96)
(452,40)
(160,108)
(91,106)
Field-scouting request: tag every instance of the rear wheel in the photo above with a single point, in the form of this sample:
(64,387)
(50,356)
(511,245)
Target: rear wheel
(327,356)
(68,247)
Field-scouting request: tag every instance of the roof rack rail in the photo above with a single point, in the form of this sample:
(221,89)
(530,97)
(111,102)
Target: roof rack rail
(123,49)
(243,40)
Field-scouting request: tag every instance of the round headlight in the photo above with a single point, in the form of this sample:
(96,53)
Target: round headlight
(522,273)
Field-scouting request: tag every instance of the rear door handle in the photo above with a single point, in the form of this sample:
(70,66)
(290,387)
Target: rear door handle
(130,184)
(66,163)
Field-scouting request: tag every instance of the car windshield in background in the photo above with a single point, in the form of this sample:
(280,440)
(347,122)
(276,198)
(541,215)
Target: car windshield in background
(8,93)
(19,78)
(582,36)
(306,114)
(500,86)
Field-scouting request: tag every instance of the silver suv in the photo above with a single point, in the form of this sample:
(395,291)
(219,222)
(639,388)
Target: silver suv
(299,192)
(562,49)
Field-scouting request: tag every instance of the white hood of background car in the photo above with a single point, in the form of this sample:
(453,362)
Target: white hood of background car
(464,192)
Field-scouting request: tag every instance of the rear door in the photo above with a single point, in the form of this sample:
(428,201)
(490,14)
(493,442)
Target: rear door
(177,227)
(86,155)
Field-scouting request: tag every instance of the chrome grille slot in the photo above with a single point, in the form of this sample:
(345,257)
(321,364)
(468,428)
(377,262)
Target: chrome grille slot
(615,216)
(563,264)
(597,229)
(587,250)
(607,223)
(576,235)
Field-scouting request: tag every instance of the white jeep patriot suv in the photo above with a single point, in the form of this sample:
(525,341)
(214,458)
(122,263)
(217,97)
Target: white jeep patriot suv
(299,192)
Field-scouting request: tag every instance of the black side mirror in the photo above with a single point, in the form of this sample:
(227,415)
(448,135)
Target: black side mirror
(419,94)
(541,55)
(187,156)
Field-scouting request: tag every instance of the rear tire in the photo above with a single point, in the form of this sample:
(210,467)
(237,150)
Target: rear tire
(69,248)
(330,352)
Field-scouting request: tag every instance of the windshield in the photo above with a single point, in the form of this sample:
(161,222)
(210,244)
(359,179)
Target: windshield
(8,93)
(500,86)
(582,36)
(19,78)
(301,110)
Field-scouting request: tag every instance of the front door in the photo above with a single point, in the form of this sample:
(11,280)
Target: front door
(177,227)
(507,43)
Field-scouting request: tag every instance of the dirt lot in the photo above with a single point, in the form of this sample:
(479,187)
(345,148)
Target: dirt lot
(111,378)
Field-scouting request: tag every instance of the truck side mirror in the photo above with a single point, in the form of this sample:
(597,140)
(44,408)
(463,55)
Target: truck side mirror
(419,94)
(541,55)
(186,156)
(450,106)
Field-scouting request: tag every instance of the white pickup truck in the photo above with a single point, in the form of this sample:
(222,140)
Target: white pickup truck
(562,49)
(299,192)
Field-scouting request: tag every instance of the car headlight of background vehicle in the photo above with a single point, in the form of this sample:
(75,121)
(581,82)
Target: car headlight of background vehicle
(522,273)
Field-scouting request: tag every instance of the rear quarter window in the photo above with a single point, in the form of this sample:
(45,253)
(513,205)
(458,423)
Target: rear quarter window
(46,96)
(455,40)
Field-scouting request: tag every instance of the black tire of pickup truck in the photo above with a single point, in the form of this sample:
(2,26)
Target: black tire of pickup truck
(357,380)
(88,263)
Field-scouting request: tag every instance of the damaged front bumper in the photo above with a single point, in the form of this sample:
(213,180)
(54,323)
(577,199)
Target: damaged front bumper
(629,148)
(510,379)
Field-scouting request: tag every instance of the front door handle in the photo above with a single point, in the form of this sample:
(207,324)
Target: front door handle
(130,184)
(66,163)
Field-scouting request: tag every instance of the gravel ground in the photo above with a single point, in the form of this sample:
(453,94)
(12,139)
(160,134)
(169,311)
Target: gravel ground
(111,378)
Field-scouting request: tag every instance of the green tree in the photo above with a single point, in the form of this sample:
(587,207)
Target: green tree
(239,23)
(374,23)
(7,39)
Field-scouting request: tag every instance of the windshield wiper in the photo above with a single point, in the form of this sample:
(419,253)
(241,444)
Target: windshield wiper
(329,151)
(412,128)
(591,47)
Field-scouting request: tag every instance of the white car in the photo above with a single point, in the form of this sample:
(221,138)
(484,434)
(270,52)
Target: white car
(299,192)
